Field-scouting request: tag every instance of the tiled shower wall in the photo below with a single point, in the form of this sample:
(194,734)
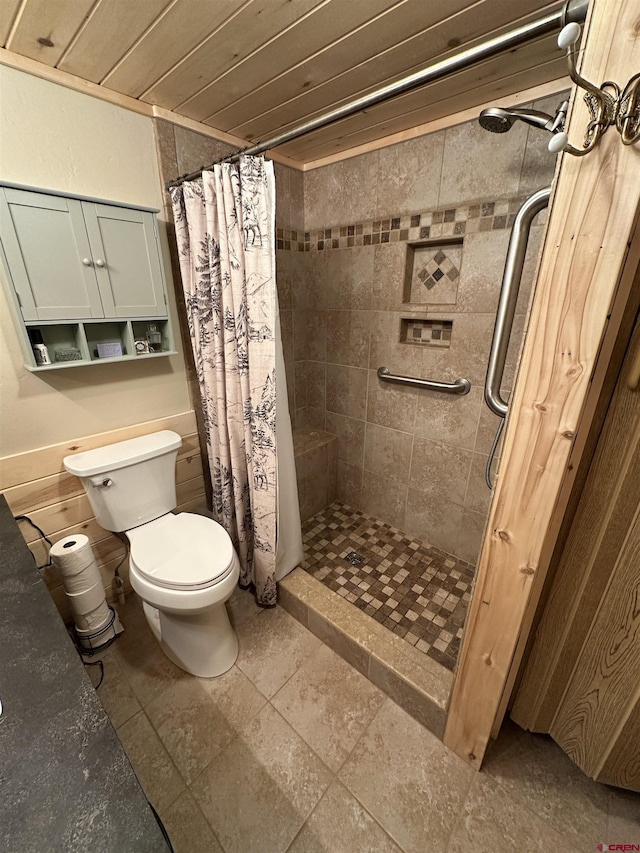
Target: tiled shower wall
(411,457)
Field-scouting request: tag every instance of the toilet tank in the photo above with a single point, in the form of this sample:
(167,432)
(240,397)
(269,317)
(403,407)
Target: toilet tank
(130,482)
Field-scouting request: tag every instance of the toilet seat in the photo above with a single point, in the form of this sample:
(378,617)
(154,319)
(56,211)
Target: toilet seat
(181,552)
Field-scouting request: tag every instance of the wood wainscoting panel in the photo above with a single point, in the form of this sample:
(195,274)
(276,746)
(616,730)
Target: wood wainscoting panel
(604,690)
(35,484)
(582,679)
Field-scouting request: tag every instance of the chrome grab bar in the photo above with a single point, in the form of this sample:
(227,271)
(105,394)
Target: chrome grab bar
(508,298)
(459,387)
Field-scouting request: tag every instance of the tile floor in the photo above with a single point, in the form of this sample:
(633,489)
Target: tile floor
(418,592)
(294,750)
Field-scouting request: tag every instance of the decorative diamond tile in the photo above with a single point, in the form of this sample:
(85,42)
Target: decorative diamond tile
(436,268)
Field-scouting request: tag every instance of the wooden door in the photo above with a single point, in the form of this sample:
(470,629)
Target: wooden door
(127,261)
(47,251)
(582,680)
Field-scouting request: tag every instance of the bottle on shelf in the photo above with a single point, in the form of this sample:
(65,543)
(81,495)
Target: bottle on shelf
(40,351)
(154,338)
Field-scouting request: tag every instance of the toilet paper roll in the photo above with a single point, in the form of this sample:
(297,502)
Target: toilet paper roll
(74,558)
(72,555)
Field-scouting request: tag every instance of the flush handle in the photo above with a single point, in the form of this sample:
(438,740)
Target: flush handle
(101,482)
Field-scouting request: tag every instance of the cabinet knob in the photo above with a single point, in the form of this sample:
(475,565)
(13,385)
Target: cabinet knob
(100,263)
(87,262)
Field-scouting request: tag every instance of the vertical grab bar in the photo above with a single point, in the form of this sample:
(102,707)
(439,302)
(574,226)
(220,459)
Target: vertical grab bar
(508,298)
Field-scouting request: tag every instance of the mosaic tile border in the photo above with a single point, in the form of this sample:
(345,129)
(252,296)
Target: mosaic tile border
(428,225)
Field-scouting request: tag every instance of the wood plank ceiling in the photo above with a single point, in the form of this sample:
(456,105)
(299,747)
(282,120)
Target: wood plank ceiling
(255,67)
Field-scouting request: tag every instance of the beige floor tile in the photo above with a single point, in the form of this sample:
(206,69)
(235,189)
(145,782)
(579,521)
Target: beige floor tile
(235,696)
(262,787)
(329,704)
(242,607)
(339,824)
(538,775)
(148,670)
(491,820)
(272,647)
(115,692)
(412,784)
(623,825)
(190,725)
(159,778)
(188,830)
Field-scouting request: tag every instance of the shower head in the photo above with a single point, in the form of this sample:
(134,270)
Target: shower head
(500,120)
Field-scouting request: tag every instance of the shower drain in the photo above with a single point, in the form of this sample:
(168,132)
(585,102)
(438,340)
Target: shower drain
(354,558)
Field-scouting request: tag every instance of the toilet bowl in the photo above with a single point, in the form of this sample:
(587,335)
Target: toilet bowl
(183,566)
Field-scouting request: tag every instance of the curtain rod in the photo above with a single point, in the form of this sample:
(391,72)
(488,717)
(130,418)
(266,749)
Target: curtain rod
(573,10)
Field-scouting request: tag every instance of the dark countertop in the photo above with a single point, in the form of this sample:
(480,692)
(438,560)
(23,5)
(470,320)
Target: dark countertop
(66,784)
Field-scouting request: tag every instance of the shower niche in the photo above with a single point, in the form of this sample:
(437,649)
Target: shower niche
(432,274)
(433,333)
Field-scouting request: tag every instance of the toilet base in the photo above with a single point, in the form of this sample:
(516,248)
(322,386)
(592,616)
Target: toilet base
(203,644)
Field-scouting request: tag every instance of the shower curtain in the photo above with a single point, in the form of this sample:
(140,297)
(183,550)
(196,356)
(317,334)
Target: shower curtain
(225,234)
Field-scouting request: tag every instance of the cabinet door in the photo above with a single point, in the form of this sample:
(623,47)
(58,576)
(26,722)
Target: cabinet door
(47,250)
(127,262)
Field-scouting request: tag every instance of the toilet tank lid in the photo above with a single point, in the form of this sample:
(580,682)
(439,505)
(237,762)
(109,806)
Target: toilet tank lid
(122,453)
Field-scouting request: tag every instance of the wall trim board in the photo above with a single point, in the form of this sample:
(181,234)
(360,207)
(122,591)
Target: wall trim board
(94,90)
(530,94)
(220,135)
(78,84)
(584,282)
(42,462)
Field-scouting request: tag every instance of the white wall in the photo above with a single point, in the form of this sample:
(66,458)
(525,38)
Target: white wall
(55,138)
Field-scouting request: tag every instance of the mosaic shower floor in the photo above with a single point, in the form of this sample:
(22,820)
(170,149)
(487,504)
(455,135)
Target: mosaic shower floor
(418,592)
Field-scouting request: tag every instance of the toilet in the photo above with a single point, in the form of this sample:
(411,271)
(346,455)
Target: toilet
(184,567)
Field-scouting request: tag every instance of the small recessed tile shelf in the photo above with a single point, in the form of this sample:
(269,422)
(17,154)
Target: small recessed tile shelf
(433,333)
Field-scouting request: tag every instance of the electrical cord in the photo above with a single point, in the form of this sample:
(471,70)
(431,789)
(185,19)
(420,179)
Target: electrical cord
(96,663)
(117,579)
(162,827)
(42,534)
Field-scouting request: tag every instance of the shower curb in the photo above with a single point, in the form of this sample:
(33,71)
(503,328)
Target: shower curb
(416,682)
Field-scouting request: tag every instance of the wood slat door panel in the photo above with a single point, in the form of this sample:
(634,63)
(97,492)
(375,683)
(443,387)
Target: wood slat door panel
(582,680)
(111,30)
(405,39)
(622,767)
(604,689)
(55,20)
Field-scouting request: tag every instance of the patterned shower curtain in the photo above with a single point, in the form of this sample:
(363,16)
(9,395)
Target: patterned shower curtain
(225,233)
